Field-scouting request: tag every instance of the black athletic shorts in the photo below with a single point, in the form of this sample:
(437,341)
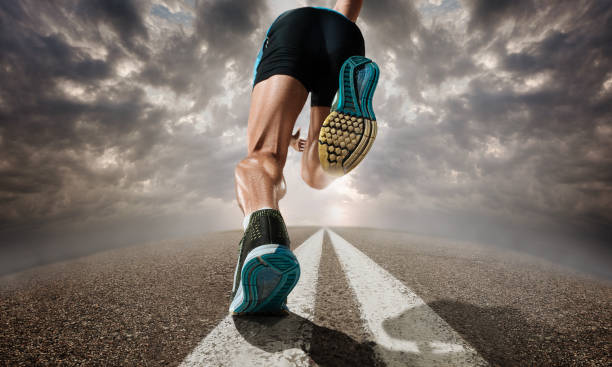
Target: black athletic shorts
(309,44)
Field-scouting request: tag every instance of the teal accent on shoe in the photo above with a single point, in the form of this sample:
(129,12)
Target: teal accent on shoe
(269,274)
(348,132)
(357,82)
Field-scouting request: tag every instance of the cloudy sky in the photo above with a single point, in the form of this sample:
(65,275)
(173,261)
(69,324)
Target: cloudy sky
(122,121)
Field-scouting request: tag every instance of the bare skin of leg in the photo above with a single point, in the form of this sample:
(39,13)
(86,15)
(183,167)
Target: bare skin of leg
(275,105)
(350,8)
(311,170)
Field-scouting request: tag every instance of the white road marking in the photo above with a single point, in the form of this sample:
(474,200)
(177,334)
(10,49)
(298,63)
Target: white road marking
(301,300)
(406,330)
(268,341)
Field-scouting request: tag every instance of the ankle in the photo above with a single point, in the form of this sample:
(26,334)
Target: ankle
(266,226)
(247,217)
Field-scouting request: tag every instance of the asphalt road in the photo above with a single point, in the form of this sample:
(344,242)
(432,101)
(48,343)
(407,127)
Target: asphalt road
(153,304)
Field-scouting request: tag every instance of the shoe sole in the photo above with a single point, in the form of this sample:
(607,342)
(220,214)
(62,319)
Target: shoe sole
(269,274)
(349,130)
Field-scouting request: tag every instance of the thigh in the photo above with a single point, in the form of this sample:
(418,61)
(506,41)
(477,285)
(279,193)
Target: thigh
(289,47)
(343,39)
(275,105)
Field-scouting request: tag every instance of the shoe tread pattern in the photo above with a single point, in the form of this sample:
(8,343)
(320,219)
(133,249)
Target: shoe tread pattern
(348,132)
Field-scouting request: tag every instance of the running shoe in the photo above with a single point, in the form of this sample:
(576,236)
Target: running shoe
(348,132)
(267,270)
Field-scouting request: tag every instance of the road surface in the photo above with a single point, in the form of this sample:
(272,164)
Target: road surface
(366,297)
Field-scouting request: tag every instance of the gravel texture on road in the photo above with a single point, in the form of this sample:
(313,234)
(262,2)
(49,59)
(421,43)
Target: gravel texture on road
(516,310)
(340,337)
(143,305)
(150,305)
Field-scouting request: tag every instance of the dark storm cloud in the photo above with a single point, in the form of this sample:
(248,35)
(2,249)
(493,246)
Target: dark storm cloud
(79,140)
(32,57)
(224,23)
(123,15)
(489,109)
(424,55)
(530,137)
(488,15)
(224,29)
(393,18)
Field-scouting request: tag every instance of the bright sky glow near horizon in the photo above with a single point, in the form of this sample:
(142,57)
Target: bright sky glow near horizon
(122,121)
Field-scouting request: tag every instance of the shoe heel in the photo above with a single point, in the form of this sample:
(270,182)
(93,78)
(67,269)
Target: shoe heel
(285,265)
(350,88)
(268,276)
(369,86)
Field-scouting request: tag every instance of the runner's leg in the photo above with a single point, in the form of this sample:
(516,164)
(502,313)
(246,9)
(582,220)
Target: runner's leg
(275,105)
(312,172)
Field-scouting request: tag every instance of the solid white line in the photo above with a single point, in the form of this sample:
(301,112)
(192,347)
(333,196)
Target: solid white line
(406,330)
(271,342)
(301,300)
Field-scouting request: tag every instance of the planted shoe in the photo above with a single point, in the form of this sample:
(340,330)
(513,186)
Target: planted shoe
(267,270)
